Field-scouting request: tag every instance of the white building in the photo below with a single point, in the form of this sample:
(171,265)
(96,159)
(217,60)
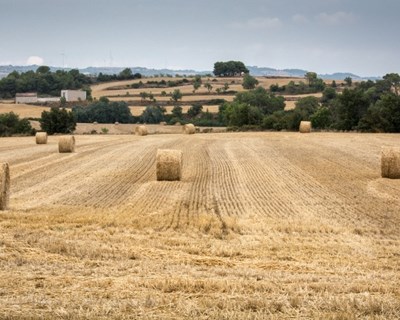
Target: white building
(73,95)
(28,97)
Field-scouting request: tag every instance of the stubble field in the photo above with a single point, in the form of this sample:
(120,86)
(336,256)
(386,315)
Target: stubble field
(262,225)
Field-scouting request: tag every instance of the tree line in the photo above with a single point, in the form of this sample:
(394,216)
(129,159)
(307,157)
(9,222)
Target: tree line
(369,107)
(45,82)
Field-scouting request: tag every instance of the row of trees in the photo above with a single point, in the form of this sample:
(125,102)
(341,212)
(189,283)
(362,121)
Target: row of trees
(43,81)
(369,106)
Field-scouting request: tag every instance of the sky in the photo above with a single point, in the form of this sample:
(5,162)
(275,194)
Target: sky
(325,36)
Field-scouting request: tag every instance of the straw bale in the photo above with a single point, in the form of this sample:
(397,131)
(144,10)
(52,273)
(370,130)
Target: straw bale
(141,131)
(305,127)
(4,185)
(169,164)
(66,144)
(41,137)
(390,162)
(189,128)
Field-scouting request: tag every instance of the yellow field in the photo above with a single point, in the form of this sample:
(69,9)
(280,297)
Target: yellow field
(262,226)
(23,110)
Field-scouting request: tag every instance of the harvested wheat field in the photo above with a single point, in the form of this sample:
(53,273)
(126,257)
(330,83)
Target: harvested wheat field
(260,226)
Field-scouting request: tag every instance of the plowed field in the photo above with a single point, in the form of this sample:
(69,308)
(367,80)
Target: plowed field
(262,225)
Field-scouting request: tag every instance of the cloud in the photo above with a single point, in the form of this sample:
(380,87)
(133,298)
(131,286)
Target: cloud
(300,19)
(34,60)
(335,18)
(258,24)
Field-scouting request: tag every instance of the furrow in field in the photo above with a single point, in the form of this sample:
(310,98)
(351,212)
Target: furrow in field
(226,184)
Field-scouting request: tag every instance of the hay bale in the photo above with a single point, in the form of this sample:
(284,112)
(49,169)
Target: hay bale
(189,129)
(177,123)
(116,123)
(141,131)
(390,162)
(4,185)
(66,144)
(41,137)
(169,164)
(305,127)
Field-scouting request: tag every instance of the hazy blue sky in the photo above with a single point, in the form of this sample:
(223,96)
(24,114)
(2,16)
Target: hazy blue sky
(359,36)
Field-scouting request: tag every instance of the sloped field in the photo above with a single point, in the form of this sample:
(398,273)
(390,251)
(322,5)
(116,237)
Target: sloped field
(262,225)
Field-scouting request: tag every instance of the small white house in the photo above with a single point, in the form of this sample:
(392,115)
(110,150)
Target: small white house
(73,95)
(28,97)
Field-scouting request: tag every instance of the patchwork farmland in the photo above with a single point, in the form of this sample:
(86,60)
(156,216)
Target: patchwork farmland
(261,225)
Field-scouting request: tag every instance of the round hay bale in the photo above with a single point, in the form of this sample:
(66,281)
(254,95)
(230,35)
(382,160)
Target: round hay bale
(169,164)
(189,129)
(4,185)
(66,144)
(305,127)
(41,137)
(390,162)
(141,131)
(116,123)
(163,123)
(177,123)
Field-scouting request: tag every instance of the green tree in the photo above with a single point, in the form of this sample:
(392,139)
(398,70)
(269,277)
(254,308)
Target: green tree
(241,114)
(348,81)
(176,95)
(103,111)
(394,80)
(194,110)
(229,68)
(226,87)
(322,118)
(311,78)
(349,108)
(177,112)
(328,94)
(249,82)
(196,83)
(384,116)
(10,124)
(57,120)
(208,86)
(260,98)
(153,114)
(125,74)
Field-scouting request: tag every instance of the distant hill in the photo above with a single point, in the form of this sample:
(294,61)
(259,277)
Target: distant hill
(254,70)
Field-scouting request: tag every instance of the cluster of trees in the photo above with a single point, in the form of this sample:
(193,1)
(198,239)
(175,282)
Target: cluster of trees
(103,111)
(57,120)
(369,106)
(43,81)
(125,74)
(11,124)
(313,85)
(250,107)
(229,68)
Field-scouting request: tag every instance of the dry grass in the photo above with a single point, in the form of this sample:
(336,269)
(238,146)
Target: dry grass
(23,110)
(261,225)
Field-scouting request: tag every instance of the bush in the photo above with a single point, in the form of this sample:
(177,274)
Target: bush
(10,124)
(58,121)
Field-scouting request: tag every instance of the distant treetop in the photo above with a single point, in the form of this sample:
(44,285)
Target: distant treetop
(229,69)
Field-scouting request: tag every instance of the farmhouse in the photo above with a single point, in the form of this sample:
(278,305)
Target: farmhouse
(73,95)
(28,97)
